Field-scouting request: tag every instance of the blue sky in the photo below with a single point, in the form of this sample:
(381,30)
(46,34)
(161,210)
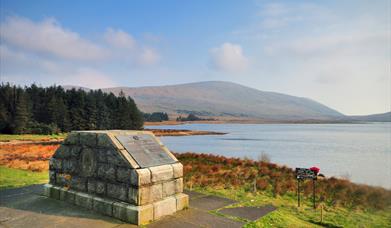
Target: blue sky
(336,52)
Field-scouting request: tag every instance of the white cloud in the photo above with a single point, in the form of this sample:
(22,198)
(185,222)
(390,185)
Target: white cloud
(11,59)
(120,39)
(48,37)
(274,9)
(229,57)
(90,78)
(47,53)
(279,15)
(148,56)
(126,48)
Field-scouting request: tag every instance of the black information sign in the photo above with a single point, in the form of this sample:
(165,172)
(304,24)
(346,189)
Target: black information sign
(145,150)
(301,175)
(304,173)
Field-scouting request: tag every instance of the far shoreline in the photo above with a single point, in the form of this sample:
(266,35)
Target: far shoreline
(236,121)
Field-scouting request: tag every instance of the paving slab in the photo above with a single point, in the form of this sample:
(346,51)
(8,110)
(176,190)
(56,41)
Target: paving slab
(198,218)
(193,195)
(7,193)
(249,213)
(172,222)
(27,207)
(208,203)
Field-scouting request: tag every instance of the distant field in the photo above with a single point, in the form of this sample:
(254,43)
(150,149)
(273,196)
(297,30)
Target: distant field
(12,178)
(28,137)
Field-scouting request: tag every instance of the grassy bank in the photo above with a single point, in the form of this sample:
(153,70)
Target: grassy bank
(289,215)
(345,204)
(28,137)
(12,178)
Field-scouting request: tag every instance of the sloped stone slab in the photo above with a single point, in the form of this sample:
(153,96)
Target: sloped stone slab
(249,213)
(209,203)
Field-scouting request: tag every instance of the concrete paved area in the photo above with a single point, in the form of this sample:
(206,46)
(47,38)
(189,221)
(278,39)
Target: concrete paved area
(27,207)
(249,213)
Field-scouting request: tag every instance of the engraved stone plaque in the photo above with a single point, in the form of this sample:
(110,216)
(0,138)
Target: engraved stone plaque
(88,162)
(145,150)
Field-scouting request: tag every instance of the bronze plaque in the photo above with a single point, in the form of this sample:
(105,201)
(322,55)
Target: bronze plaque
(145,150)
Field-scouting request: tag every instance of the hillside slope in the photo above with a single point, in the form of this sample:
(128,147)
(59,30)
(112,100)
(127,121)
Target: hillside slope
(383,117)
(216,98)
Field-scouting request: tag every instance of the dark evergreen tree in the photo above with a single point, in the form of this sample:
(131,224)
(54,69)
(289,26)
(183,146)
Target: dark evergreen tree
(102,113)
(21,120)
(90,112)
(155,117)
(124,113)
(50,110)
(136,117)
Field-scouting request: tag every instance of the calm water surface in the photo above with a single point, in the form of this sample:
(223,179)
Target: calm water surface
(361,152)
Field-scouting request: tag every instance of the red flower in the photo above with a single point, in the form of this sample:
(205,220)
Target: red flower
(315,169)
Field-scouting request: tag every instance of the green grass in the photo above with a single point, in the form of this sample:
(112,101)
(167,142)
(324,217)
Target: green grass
(12,178)
(288,215)
(30,137)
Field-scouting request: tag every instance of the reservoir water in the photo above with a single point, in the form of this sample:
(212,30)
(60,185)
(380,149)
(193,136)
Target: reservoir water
(359,152)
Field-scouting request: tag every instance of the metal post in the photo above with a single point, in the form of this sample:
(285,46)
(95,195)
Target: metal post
(313,192)
(298,192)
(255,186)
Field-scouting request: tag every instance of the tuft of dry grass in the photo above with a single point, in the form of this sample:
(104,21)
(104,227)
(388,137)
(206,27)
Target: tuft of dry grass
(205,170)
(33,157)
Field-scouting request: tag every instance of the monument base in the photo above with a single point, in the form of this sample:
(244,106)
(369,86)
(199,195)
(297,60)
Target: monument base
(126,212)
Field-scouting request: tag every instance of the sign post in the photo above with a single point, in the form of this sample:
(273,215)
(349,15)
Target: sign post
(313,192)
(304,173)
(298,192)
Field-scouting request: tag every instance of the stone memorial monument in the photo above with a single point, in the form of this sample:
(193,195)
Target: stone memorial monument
(129,175)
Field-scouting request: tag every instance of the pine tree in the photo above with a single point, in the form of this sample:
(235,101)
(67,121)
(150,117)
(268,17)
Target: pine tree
(21,115)
(4,117)
(135,115)
(52,113)
(112,104)
(91,112)
(62,116)
(102,115)
(124,115)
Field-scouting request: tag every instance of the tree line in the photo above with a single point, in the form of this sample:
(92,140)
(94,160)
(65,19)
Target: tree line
(192,117)
(38,110)
(155,117)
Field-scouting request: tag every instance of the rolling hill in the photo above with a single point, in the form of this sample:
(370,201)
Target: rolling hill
(226,99)
(383,117)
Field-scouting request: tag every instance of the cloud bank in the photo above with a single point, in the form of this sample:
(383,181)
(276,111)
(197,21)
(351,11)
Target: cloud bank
(45,49)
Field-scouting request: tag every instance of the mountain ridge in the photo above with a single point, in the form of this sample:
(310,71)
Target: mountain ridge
(225,99)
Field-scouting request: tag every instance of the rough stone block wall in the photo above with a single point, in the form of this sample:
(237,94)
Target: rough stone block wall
(108,173)
(95,171)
